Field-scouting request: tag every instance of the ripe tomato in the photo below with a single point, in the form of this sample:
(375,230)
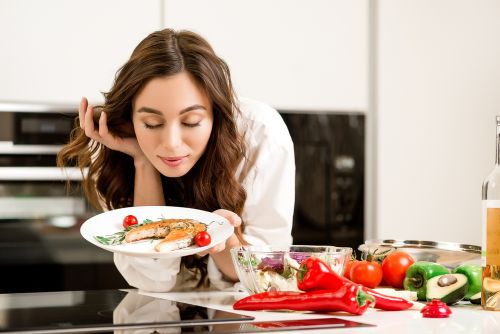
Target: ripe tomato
(202,238)
(394,268)
(347,269)
(367,273)
(129,221)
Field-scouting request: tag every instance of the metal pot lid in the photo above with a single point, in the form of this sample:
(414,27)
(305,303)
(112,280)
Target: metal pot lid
(449,254)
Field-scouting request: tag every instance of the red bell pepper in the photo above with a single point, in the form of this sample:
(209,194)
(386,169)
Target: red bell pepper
(315,274)
(349,298)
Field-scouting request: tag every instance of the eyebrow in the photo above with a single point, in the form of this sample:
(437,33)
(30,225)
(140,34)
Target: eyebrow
(157,112)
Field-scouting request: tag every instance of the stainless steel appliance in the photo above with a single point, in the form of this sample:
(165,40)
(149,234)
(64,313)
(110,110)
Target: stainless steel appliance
(40,245)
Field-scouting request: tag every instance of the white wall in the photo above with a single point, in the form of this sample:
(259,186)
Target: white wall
(438,84)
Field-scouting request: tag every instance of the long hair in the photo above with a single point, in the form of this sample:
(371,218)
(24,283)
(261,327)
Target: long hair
(211,184)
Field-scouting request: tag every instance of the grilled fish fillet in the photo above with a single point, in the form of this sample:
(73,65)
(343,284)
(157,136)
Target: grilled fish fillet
(181,236)
(159,229)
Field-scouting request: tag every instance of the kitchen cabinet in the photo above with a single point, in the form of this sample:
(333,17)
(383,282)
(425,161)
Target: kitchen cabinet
(309,55)
(438,75)
(58,51)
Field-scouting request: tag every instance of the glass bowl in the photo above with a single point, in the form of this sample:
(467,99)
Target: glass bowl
(273,268)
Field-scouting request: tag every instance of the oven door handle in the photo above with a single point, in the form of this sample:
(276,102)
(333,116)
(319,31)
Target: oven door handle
(41,174)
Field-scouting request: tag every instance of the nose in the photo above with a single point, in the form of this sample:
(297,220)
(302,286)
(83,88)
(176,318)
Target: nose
(171,137)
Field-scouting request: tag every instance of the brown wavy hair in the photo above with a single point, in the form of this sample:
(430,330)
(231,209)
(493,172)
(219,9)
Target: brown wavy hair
(211,184)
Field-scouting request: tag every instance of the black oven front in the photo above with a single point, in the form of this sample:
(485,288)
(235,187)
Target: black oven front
(41,248)
(330,167)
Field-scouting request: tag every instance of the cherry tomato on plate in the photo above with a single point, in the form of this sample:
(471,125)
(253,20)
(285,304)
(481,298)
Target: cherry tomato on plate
(394,268)
(367,273)
(202,239)
(129,221)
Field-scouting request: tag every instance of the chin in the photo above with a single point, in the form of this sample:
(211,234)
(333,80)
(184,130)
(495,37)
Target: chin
(173,171)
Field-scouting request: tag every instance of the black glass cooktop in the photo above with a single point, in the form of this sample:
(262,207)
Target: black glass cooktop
(100,311)
(128,312)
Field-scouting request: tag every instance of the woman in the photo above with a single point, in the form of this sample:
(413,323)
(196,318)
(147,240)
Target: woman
(171,132)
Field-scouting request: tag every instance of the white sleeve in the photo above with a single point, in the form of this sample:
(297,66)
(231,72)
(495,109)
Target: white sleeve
(270,187)
(155,275)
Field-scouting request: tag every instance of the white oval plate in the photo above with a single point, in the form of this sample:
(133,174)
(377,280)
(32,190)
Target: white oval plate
(110,222)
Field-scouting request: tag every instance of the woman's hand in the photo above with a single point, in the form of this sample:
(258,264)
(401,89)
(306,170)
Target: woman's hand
(232,241)
(147,182)
(102,135)
(220,253)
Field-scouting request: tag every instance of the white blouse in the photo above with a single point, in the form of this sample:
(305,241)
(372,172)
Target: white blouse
(268,176)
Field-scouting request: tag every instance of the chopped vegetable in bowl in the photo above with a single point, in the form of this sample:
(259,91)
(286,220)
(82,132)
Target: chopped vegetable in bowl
(268,268)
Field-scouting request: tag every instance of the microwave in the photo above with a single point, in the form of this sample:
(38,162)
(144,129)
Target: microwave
(32,134)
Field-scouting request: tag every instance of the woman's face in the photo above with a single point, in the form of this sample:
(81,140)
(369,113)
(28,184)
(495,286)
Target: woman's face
(172,119)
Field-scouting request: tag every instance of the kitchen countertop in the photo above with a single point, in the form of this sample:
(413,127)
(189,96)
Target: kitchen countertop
(466,318)
(130,311)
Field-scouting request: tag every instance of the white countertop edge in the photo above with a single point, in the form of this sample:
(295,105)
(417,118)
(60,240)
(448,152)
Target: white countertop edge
(219,300)
(465,317)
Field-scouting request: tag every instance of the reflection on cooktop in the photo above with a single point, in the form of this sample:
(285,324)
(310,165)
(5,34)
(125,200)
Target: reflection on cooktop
(101,310)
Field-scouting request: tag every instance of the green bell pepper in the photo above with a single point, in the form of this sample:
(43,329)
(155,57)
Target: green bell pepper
(419,273)
(474,275)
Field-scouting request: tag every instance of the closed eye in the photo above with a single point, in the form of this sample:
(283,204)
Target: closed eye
(191,125)
(152,126)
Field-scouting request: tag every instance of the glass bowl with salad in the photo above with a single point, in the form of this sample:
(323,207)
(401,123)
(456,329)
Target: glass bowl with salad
(274,268)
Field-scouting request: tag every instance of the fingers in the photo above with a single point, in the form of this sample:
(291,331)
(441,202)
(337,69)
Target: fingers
(88,125)
(202,254)
(86,115)
(81,111)
(103,125)
(213,250)
(232,217)
(234,220)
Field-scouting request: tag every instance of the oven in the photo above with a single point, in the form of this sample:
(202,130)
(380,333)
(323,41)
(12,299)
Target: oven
(42,207)
(329,185)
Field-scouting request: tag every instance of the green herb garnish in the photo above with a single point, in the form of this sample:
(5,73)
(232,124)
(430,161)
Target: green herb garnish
(118,238)
(111,239)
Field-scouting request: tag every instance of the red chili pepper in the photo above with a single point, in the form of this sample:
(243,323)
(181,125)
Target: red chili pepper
(388,303)
(315,274)
(349,298)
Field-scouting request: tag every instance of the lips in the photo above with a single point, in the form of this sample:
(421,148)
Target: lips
(173,161)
